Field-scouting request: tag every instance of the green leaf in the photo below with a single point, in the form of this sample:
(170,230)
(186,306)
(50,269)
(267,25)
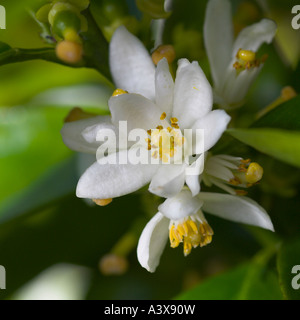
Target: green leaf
(30,144)
(288,257)
(252,281)
(58,182)
(281,144)
(284,116)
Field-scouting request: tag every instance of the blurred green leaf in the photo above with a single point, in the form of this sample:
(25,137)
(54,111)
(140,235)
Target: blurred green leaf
(252,281)
(284,116)
(31,78)
(30,143)
(288,257)
(68,231)
(57,183)
(280,144)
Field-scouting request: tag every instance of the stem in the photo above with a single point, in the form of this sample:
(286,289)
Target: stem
(95,46)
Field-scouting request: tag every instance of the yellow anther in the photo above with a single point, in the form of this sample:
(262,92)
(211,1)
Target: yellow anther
(235,181)
(245,161)
(246,55)
(78,114)
(241,192)
(192,233)
(254,173)
(149,132)
(118,92)
(102,202)
(181,230)
(209,230)
(187,247)
(163,116)
(69,51)
(175,125)
(193,226)
(159,127)
(174,120)
(164,51)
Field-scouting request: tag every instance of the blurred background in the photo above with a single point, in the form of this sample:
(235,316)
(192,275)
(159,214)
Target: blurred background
(56,246)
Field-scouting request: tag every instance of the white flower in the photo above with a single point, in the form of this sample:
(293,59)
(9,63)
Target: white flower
(154,102)
(226,171)
(234,64)
(181,219)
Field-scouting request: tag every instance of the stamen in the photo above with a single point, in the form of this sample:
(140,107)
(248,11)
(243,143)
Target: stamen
(241,192)
(192,233)
(163,116)
(246,55)
(118,92)
(254,173)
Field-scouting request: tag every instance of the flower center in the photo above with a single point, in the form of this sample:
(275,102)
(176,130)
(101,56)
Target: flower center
(165,142)
(246,59)
(193,231)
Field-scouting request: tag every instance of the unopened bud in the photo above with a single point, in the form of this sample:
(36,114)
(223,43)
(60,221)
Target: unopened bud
(112,264)
(69,52)
(164,51)
(102,202)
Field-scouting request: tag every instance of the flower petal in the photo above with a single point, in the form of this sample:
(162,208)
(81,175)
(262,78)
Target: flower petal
(213,124)
(105,181)
(164,87)
(193,183)
(139,112)
(192,94)
(131,65)
(180,206)
(152,242)
(252,37)
(218,37)
(236,208)
(72,133)
(168,180)
(237,86)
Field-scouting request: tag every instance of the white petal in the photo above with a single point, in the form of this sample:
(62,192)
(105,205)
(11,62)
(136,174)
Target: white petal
(252,37)
(139,112)
(237,86)
(72,133)
(236,208)
(192,94)
(180,206)
(213,125)
(218,37)
(105,181)
(152,242)
(90,133)
(193,183)
(164,87)
(168,180)
(131,65)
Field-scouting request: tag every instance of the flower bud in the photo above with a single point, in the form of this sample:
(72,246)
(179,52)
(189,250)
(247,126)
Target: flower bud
(69,52)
